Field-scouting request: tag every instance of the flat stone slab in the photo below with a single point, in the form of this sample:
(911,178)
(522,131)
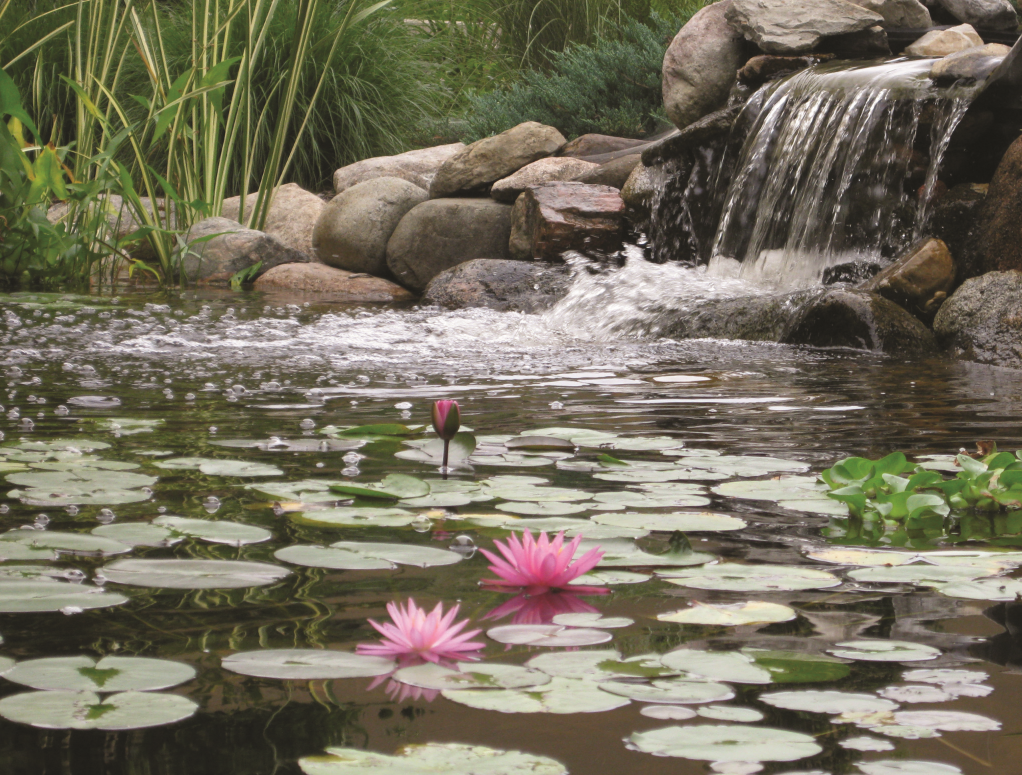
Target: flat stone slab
(786,27)
(339,284)
(549,220)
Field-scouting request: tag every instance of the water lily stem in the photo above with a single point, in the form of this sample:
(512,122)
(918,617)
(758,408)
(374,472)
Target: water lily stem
(447,449)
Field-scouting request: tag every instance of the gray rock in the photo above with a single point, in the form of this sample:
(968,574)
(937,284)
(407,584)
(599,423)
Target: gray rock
(766,318)
(862,321)
(899,14)
(983,14)
(595,145)
(353,231)
(982,321)
(766,67)
(292,218)
(234,248)
(505,286)
(940,43)
(336,283)
(549,170)
(475,168)
(870,43)
(956,221)
(442,233)
(613,173)
(701,65)
(708,128)
(919,281)
(1001,224)
(549,220)
(784,27)
(418,167)
(638,192)
(973,64)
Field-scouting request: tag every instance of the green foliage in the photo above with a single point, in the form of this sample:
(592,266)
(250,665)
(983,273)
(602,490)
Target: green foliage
(610,87)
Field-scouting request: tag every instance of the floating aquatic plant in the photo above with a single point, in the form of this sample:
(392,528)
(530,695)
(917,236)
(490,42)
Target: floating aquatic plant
(446,421)
(414,633)
(539,564)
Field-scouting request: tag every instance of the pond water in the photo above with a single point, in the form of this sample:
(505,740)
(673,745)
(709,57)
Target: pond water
(230,409)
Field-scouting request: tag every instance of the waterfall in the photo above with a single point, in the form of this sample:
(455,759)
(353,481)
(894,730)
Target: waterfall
(828,172)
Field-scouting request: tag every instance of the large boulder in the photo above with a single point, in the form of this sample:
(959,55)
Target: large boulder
(614,173)
(338,284)
(862,321)
(940,43)
(899,14)
(502,285)
(416,167)
(442,233)
(549,220)
(701,65)
(549,170)
(973,64)
(292,218)
(763,318)
(784,27)
(1001,226)
(983,14)
(982,321)
(353,231)
(475,168)
(597,145)
(956,221)
(638,193)
(919,281)
(232,249)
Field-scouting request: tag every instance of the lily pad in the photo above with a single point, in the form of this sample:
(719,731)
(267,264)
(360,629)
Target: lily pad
(731,666)
(945,676)
(862,557)
(733,615)
(37,596)
(432,451)
(796,667)
(625,499)
(306,664)
(86,710)
(799,493)
(430,759)
(81,486)
(920,574)
(571,527)
(828,702)
(540,494)
(109,674)
(865,743)
(904,767)
(730,713)
(193,574)
(126,426)
(292,445)
(599,665)
(392,487)
(561,695)
(474,676)
(685,521)
(547,635)
(596,621)
(916,693)
(985,589)
(539,442)
(947,721)
(358,517)
(354,555)
(667,712)
(546,509)
(214,531)
(884,651)
(742,465)
(138,534)
(751,578)
(610,578)
(66,543)
(213,467)
(725,743)
(619,553)
(671,691)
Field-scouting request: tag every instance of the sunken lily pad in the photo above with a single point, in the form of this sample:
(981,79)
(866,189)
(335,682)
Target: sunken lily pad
(547,635)
(671,691)
(734,615)
(213,467)
(884,651)
(828,702)
(353,555)
(685,521)
(86,710)
(430,759)
(67,543)
(751,578)
(38,596)
(561,695)
(109,674)
(474,676)
(725,743)
(731,666)
(193,574)
(306,664)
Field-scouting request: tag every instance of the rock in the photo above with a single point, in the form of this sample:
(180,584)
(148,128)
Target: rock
(983,14)
(706,129)
(973,64)
(860,320)
(502,285)
(637,193)
(549,220)
(416,167)
(940,43)
(764,318)
(956,219)
(292,217)
(1001,223)
(856,272)
(761,69)
(701,65)
(475,168)
(547,170)
(982,321)
(613,173)
(899,14)
(595,145)
(784,27)
(870,43)
(919,281)
(353,231)
(442,233)
(235,248)
(340,285)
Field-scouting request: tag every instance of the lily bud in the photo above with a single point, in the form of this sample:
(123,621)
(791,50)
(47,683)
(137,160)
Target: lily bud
(446,419)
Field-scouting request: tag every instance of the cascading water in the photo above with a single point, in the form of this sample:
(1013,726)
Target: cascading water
(824,176)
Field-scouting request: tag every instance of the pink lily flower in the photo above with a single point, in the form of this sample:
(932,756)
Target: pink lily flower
(433,636)
(540,564)
(446,421)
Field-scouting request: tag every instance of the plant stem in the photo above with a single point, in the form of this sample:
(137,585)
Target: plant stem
(447,448)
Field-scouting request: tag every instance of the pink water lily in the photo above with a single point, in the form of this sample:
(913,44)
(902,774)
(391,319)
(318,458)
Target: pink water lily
(446,421)
(539,565)
(433,636)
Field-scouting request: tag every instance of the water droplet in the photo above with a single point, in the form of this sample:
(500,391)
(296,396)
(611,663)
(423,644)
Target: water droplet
(161,509)
(320,465)
(106,516)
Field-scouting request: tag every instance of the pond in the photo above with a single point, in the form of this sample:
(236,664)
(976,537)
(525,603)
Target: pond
(139,431)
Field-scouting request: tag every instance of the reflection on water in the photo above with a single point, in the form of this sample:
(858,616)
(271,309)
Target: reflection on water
(276,372)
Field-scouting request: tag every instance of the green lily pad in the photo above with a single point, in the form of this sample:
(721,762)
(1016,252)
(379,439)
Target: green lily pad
(796,667)
(923,575)
(741,465)
(545,509)
(539,442)
(642,475)
(533,494)
(985,589)
(618,501)
(392,487)
(292,445)
(109,674)
(86,710)
(599,665)
(733,615)
(304,491)
(213,467)
(671,691)
(725,743)
(125,426)
(138,534)
(11,550)
(610,578)
(215,531)
(621,553)
(60,445)
(828,702)
(357,517)
(306,664)
(511,460)
(430,759)
(193,574)
(441,500)
(570,526)
(802,493)
(884,651)
(731,666)
(353,555)
(866,558)
(751,578)
(470,676)
(432,451)
(81,486)
(66,543)
(903,767)
(561,695)
(595,620)
(27,596)
(685,521)
(547,635)
(730,713)
(580,437)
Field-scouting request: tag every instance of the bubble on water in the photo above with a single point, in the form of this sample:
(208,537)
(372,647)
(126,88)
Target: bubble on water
(148,491)
(14,414)
(422,524)
(350,471)
(74,575)
(62,411)
(209,386)
(352,458)
(27,424)
(270,387)
(31,399)
(71,610)
(403,405)
(189,396)
(315,394)
(1,435)
(239,390)
(41,521)
(161,509)
(556,405)
(362,378)
(40,400)
(231,398)
(105,516)
(320,465)
(276,442)
(406,415)
(211,504)
(99,579)
(307,424)
(41,414)
(278,510)
(72,510)
(464,545)
(14,372)
(212,429)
